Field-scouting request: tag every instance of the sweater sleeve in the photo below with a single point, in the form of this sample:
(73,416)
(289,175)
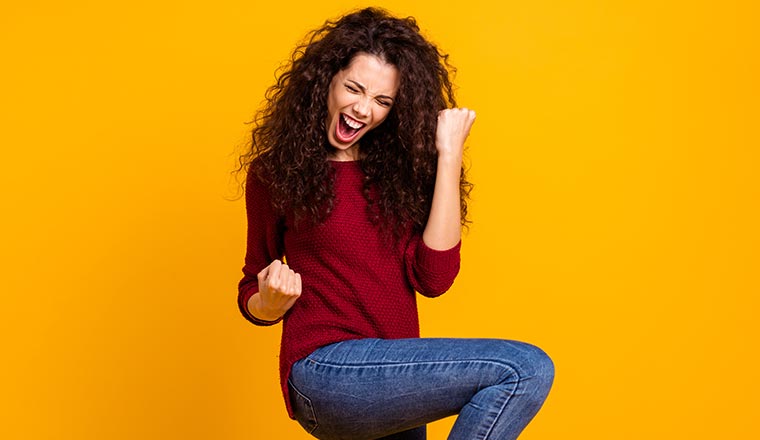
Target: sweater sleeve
(430,271)
(263,245)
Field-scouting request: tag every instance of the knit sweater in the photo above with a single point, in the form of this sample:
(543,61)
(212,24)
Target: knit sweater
(356,284)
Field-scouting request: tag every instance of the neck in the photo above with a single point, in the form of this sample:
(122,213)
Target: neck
(349,154)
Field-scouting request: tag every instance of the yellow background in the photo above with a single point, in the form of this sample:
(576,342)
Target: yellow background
(615,158)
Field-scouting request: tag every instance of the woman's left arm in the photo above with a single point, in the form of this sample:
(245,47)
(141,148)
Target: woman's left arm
(444,227)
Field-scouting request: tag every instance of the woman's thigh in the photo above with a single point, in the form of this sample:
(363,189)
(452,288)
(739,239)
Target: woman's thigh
(370,388)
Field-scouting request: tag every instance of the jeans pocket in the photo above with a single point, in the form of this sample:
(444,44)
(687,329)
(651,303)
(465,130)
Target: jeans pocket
(302,408)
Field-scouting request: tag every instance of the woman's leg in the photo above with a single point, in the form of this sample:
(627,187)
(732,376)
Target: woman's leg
(371,388)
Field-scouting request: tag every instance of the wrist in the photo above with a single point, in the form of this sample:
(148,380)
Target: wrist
(256,309)
(447,158)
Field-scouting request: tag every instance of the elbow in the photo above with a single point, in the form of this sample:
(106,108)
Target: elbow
(436,286)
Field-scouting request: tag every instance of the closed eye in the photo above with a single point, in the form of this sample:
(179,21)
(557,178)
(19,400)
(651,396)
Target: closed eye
(352,89)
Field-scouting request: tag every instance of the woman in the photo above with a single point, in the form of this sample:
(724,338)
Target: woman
(355,177)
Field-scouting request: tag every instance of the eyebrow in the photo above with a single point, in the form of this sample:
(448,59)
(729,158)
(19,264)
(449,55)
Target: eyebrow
(364,89)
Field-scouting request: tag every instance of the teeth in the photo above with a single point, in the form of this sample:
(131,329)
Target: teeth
(351,123)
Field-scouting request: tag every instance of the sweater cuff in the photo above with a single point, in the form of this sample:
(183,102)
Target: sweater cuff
(258,321)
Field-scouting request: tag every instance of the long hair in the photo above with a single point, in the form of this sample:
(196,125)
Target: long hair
(289,146)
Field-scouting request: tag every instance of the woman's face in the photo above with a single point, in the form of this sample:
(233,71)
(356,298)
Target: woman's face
(359,99)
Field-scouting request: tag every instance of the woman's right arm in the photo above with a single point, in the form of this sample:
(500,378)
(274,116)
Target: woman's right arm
(268,287)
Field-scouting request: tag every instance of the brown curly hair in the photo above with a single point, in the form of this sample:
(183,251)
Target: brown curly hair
(289,147)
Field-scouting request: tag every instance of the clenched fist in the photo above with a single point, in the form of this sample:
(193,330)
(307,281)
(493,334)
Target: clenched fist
(279,288)
(452,130)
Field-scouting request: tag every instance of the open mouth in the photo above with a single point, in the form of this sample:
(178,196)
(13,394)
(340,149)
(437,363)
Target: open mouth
(348,128)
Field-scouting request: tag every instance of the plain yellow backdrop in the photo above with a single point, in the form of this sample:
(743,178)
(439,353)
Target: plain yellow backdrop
(615,158)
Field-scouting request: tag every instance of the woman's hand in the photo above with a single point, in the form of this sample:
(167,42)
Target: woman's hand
(452,130)
(279,288)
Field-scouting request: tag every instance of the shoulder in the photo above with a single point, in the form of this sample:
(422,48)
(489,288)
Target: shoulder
(257,186)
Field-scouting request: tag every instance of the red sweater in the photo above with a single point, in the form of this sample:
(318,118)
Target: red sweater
(354,284)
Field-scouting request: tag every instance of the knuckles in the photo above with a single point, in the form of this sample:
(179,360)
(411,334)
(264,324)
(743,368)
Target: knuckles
(278,279)
(456,114)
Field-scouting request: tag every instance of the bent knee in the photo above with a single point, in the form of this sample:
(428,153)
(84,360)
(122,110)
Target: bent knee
(544,365)
(530,361)
(540,374)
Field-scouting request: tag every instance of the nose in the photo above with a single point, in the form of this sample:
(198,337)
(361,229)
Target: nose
(362,107)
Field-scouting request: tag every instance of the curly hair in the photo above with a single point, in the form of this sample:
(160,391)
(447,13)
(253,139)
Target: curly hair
(289,147)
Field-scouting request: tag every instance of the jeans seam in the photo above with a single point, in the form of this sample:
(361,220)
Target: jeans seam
(503,406)
(401,364)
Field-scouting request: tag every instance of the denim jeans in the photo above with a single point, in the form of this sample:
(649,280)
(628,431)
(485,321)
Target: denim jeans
(390,388)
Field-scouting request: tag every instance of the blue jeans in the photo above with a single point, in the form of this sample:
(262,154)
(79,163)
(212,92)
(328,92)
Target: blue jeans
(390,388)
